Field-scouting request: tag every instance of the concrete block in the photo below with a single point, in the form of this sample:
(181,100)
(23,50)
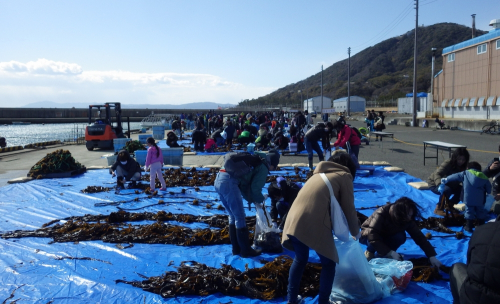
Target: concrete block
(20,180)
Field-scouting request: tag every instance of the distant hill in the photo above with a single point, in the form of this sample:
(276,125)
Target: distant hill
(381,72)
(194,105)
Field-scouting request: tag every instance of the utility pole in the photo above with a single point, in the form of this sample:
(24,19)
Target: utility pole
(415,68)
(432,73)
(348,113)
(321,86)
(473,25)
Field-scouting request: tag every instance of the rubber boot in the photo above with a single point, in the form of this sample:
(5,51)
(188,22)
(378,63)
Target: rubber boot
(234,239)
(311,164)
(469,225)
(243,240)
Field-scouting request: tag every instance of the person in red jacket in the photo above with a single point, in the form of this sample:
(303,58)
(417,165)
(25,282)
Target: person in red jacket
(346,135)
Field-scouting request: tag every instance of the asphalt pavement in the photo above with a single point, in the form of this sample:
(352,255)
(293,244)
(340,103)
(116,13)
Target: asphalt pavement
(405,151)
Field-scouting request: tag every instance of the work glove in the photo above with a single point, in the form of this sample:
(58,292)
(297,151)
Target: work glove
(394,255)
(441,188)
(435,262)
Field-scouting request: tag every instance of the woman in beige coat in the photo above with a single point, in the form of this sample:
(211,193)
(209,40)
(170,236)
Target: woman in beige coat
(308,224)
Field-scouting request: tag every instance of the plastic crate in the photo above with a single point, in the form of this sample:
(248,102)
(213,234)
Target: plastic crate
(158,132)
(143,138)
(119,143)
(111,159)
(140,156)
(292,147)
(172,156)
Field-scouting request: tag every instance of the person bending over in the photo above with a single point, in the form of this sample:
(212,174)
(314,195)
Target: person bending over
(321,132)
(309,225)
(282,193)
(385,231)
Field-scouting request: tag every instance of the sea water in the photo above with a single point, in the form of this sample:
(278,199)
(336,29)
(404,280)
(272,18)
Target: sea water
(21,135)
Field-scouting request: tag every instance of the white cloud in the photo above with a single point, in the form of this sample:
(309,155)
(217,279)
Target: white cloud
(24,83)
(41,67)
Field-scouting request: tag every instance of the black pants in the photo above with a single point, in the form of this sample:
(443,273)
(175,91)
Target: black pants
(458,274)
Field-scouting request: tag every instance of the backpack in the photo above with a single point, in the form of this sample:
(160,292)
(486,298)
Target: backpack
(357,132)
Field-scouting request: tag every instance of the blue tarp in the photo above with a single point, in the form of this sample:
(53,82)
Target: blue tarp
(421,94)
(33,265)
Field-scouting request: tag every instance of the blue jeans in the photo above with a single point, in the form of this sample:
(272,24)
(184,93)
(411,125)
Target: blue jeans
(393,242)
(475,212)
(297,269)
(313,145)
(230,196)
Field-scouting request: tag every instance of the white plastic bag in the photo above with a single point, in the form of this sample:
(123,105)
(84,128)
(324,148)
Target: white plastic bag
(223,134)
(339,222)
(394,276)
(266,237)
(354,278)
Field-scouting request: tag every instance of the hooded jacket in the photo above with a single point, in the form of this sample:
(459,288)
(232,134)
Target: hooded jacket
(346,134)
(309,217)
(131,167)
(475,186)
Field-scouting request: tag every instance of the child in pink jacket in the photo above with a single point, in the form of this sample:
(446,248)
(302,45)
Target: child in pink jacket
(154,161)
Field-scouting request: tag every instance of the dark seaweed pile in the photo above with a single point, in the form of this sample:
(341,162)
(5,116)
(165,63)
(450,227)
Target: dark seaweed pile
(114,229)
(423,271)
(265,283)
(59,161)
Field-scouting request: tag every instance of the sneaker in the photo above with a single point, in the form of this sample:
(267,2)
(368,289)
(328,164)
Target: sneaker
(369,255)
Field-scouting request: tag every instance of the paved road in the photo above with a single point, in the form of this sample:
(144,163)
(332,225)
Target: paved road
(406,152)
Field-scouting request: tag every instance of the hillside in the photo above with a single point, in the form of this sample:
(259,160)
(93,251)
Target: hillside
(194,105)
(381,72)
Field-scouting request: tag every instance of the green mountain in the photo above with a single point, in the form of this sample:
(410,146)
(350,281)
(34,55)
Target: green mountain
(381,72)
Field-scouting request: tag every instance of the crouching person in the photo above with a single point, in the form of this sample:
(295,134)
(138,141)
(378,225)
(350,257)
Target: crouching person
(385,231)
(126,169)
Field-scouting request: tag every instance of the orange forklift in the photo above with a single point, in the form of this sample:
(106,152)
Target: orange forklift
(105,127)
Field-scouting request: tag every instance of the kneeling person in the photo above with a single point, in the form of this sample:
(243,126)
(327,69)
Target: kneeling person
(282,194)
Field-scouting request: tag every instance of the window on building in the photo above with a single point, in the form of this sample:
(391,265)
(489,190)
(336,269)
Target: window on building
(481,48)
(451,57)
(498,44)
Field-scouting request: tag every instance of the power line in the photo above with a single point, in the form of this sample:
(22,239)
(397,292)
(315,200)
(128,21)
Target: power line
(390,26)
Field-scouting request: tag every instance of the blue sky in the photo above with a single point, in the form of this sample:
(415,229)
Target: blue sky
(190,51)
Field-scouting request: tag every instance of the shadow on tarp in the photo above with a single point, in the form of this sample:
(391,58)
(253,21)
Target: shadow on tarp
(42,272)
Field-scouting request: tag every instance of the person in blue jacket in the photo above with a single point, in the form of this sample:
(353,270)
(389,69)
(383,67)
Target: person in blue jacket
(476,186)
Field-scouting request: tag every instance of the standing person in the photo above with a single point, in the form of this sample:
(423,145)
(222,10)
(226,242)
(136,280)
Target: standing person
(478,281)
(309,225)
(476,186)
(369,120)
(126,169)
(379,124)
(230,130)
(346,135)
(244,175)
(154,163)
(457,163)
(321,132)
(385,231)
